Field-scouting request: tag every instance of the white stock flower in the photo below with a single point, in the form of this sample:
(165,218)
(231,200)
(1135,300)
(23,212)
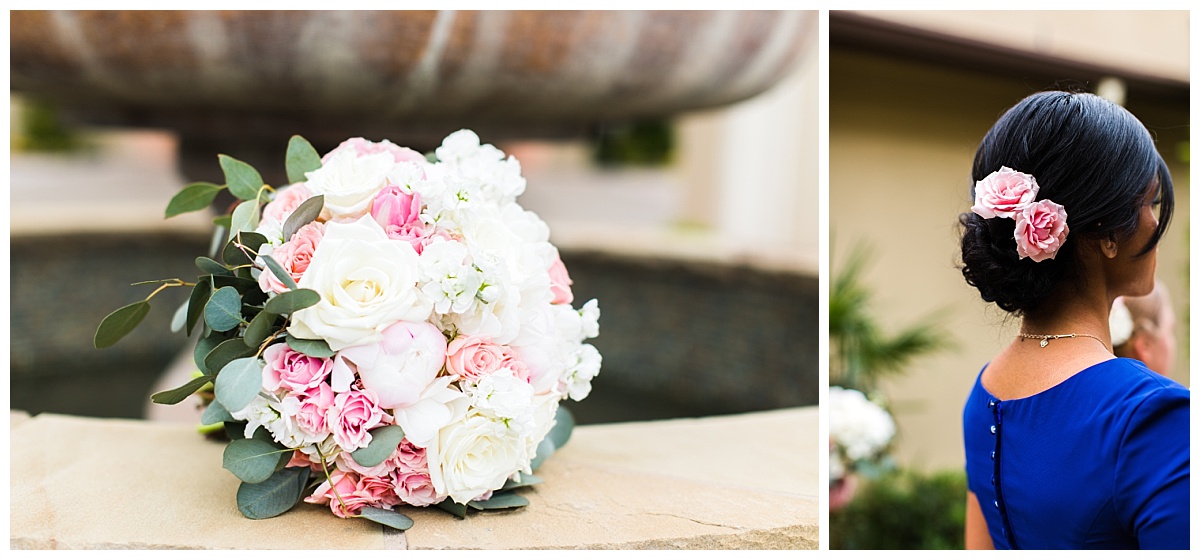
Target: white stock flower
(584,365)
(350,181)
(473,455)
(503,396)
(448,279)
(366,282)
(860,427)
(278,417)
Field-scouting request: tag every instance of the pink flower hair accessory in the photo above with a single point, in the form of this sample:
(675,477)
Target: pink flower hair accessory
(1041,225)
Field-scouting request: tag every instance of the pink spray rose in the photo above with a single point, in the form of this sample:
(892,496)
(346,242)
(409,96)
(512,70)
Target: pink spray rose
(1041,230)
(364,147)
(398,367)
(560,282)
(355,492)
(400,215)
(472,357)
(314,409)
(411,476)
(1003,193)
(294,256)
(286,201)
(352,414)
(291,370)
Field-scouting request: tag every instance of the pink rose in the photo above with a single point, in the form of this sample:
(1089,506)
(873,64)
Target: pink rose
(291,370)
(364,147)
(349,493)
(1003,193)
(299,459)
(294,256)
(1041,230)
(400,215)
(286,201)
(398,367)
(472,357)
(411,476)
(352,414)
(314,409)
(560,283)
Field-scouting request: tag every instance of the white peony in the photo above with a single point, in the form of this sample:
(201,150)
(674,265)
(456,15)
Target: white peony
(473,455)
(398,367)
(350,182)
(366,282)
(860,427)
(438,405)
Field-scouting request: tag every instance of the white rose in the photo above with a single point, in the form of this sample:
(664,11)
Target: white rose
(397,368)
(366,282)
(474,455)
(350,181)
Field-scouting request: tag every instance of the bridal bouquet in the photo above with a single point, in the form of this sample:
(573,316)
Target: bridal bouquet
(390,328)
(859,431)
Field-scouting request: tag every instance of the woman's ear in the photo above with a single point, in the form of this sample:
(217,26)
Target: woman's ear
(1109,247)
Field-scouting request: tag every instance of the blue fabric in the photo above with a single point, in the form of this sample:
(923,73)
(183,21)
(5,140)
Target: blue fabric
(1100,461)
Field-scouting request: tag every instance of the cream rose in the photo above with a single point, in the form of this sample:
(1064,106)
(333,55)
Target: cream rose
(350,182)
(366,281)
(474,455)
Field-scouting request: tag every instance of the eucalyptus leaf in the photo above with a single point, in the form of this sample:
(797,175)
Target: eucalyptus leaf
(260,328)
(280,273)
(207,343)
(238,383)
(292,301)
(226,351)
(244,218)
(215,413)
(309,347)
(209,266)
(119,323)
(234,253)
(223,312)
(176,395)
(384,442)
(243,180)
(459,510)
(223,222)
(387,517)
(303,215)
(273,496)
(564,424)
(526,480)
(196,301)
(179,319)
(235,430)
(251,460)
(301,158)
(196,196)
(501,500)
(544,450)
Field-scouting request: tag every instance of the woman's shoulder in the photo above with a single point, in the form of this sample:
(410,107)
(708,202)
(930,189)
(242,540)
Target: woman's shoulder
(1135,378)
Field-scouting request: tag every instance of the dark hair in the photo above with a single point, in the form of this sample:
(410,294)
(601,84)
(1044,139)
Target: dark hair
(1086,153)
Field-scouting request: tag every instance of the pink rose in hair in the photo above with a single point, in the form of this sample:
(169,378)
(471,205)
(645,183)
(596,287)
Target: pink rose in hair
(1041,230)
(286,201)
(1003,193)
(400,215)
(472,357)
(291,370)
(294,256)
(560,282)
(364,147)
(352,414)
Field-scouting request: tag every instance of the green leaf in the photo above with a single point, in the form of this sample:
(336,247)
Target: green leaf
(119,323)
(214,413)
(303,215)
(209,267)
(196,196)
(301,158)
(223,312)
(526,480)
(238,383)
(308,347)
(243,180)
(251,460)
(384,442)
(292,301)
(235,430)
(387,517)
(544,450)
(207,343)
(259,329)
(501,500)
(280,274)
(233,255)
(200,294)
(224,221)
(177,394)
(564,424)
(244,218)
(451,506)
(273,496)
(179,318)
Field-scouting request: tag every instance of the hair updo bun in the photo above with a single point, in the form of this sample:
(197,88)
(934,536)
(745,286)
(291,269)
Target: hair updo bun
(1089,155)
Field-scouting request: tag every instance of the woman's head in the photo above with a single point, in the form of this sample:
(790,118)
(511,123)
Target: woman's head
(1099,163)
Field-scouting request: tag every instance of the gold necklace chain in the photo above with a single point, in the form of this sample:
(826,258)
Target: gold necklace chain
(1046,338)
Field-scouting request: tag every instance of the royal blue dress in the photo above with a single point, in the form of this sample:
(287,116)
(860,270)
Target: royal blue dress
(1099,461)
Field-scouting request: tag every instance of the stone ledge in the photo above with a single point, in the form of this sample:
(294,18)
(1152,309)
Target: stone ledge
(87,483)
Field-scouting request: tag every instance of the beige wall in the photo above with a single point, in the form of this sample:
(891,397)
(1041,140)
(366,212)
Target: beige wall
(901,140)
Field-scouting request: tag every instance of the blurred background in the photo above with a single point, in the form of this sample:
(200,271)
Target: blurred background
(673,155)
(911,94)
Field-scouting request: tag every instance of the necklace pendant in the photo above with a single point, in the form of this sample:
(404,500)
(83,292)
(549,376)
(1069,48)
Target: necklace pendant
(1045,341)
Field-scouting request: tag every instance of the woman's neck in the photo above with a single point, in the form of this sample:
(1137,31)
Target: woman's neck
(1072,309)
